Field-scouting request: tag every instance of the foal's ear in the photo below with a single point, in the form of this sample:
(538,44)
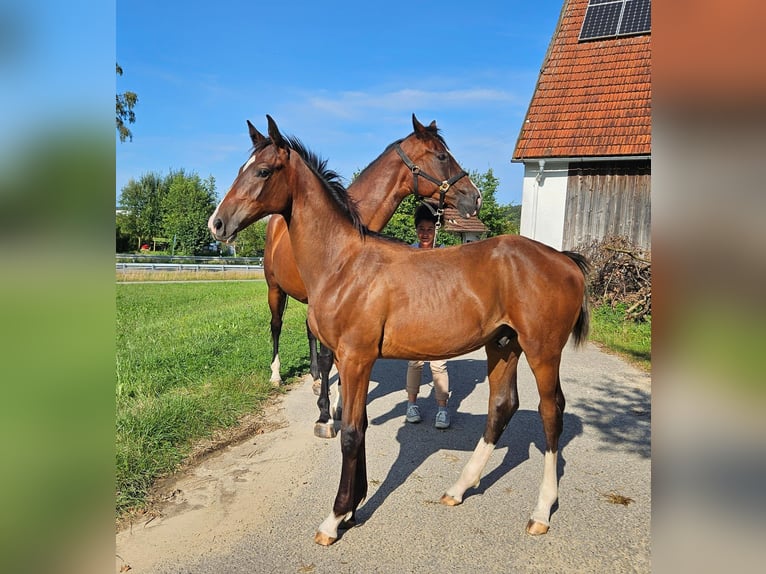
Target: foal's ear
(420,128)
(274,134)
(255,136)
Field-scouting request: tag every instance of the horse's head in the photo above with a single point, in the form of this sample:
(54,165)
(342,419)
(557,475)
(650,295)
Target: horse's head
(436,173)
(254,192)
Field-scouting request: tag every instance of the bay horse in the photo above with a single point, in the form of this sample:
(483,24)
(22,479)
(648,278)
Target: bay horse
(377,191)
(510,294)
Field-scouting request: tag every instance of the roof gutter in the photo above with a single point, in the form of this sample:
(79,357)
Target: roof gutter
(581,159)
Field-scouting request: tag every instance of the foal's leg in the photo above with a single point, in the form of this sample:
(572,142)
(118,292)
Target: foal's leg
(277,302)
(503,403)
(325,425)
(551,411)
(352,489)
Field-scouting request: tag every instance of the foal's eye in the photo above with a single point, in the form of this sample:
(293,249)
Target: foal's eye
(264,172)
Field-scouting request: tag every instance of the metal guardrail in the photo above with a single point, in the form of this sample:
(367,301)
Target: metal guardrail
(187,263)
(148,266)
(194,259)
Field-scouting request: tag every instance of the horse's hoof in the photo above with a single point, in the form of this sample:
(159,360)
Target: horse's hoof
(323,540)
(536,528)
(325,430)
(316,386)
(448,500)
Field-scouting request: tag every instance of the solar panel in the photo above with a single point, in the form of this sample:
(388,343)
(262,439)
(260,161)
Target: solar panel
(636,18)
(609,18)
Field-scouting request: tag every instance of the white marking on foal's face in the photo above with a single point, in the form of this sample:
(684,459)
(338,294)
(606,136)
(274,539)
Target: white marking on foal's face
(248,163)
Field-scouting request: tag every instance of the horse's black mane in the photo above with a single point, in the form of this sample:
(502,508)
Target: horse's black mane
(434,132)
(330,179)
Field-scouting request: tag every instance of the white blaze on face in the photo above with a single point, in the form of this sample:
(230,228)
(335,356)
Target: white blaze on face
(248,163)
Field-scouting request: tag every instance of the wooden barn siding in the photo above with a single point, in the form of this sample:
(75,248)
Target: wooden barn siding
(607,199)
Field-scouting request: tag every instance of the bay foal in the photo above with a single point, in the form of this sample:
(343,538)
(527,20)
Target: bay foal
(508,294)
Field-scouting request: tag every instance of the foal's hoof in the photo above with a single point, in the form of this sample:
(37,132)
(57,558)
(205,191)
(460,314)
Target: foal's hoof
(325,430)
(323,540)
(316,386)
(536,528)
(448,500)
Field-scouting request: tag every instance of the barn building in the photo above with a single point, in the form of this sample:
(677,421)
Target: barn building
(586,139)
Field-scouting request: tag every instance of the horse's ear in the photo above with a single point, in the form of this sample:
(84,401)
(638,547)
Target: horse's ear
(274,134)
(417,126)
(255,136)
(420,128)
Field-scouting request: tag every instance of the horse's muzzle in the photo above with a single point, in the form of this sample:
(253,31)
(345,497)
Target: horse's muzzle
(217,228)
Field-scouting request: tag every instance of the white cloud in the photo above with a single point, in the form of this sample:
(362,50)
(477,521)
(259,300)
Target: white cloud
(351,104)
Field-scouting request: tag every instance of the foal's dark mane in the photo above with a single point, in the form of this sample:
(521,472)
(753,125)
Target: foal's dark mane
(432,132)
(330,179)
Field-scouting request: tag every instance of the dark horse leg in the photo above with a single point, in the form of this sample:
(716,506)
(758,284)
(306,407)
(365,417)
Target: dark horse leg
(277,303)
(324,427)
(353,478)
(502,363)
(313,359)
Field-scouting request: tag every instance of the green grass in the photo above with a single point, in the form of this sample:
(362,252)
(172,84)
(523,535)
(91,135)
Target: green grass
(191,358)
(629,339)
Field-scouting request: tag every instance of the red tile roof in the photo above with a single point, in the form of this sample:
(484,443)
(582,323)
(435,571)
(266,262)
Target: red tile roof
(592,98)
(454,222)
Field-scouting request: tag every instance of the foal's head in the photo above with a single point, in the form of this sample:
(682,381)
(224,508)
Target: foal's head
(261,187)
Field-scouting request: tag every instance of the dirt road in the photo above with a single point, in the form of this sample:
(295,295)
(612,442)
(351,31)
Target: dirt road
(254,507)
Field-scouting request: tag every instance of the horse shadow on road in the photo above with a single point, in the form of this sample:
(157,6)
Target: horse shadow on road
(420,441)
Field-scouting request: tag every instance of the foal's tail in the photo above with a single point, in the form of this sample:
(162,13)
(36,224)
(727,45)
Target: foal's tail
(582,325)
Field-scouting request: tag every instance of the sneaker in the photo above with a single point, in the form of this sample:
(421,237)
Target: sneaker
(413,414)
(442,419)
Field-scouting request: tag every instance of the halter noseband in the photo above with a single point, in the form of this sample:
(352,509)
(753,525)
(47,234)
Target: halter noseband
(443,185)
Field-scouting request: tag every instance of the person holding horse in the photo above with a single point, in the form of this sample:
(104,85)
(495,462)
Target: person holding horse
(425,228)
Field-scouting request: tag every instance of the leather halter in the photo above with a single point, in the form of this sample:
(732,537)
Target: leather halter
(443,185)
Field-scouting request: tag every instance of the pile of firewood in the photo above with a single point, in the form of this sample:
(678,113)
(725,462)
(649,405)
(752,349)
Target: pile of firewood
(621,273)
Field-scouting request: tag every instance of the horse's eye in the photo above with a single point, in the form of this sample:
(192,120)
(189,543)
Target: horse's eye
(264,173)
(441,156)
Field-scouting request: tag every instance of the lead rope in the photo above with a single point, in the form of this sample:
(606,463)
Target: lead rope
(439,213)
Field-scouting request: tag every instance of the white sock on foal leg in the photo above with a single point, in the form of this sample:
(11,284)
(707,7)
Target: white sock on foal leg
(337,405)
(328,530)
(275,366)
(471,473)
(549,493)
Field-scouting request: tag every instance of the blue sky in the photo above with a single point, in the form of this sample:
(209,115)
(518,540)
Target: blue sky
(344,77)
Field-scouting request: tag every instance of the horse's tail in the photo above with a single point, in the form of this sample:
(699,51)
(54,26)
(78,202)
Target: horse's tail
(582,325)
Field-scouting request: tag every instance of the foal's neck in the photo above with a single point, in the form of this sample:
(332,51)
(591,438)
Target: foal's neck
(322,236)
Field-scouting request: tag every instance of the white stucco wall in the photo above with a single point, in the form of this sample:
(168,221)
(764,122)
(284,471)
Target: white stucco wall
(543,204)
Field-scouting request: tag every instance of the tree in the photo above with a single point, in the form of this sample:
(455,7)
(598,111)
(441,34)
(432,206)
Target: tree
(125,114)
(512,218)
(251,241)
(186,207)
(141,205)
(490,213)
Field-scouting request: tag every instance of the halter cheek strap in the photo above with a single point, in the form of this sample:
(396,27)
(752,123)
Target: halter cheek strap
(443,185)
